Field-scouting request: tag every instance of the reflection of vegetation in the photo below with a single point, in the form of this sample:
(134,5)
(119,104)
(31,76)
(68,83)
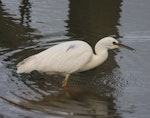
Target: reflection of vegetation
(13,34)
(93,18)
(25,12)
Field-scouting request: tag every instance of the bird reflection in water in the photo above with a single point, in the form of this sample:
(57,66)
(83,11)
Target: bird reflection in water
(71,102)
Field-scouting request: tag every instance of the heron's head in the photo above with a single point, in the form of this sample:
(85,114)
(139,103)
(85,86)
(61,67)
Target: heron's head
(111,43)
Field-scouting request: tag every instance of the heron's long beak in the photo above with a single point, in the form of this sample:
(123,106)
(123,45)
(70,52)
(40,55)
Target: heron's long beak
(124,46)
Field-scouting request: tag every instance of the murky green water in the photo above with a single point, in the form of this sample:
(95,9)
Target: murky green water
(119,88)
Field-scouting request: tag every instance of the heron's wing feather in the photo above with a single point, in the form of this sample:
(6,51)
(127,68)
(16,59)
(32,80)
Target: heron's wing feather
(65,58)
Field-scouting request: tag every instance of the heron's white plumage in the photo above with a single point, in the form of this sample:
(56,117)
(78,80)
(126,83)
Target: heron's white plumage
(64,58)
(69,57)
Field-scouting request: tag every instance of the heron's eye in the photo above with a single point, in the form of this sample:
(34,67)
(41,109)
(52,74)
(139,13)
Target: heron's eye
(114,43)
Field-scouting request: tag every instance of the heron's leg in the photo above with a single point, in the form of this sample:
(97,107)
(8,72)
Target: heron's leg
(65,81)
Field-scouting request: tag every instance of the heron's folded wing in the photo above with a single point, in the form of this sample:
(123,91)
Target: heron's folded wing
(65,58)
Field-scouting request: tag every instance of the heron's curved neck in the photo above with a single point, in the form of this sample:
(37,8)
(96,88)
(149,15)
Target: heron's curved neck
(97,59)
(100,56)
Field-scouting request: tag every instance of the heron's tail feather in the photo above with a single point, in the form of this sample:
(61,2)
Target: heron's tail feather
(27,65)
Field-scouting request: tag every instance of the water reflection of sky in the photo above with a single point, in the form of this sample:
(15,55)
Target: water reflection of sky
(118,88)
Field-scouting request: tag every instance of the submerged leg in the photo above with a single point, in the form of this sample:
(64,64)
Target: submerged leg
(65,81)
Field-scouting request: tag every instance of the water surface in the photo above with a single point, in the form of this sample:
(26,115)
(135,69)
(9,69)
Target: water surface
(119,88)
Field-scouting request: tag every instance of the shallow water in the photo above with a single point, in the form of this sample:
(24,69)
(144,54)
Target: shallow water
(119,88)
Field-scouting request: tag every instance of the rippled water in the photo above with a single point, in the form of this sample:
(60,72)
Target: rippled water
(118,88)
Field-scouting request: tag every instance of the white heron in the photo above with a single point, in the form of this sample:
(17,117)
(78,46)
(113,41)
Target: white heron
(69,57)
